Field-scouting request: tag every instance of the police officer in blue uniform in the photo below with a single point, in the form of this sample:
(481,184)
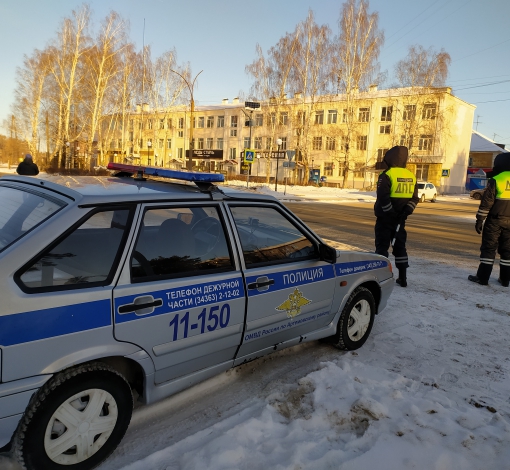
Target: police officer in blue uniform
(397,197)
(494,209)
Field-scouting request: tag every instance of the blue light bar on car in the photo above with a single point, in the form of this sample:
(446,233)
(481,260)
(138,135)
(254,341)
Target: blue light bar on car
(193,176)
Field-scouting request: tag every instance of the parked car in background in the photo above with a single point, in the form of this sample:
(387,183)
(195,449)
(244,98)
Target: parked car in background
(123,284)
(477,193)
(426,191)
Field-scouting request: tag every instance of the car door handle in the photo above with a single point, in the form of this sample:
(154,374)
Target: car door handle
(260,283)
(141,305)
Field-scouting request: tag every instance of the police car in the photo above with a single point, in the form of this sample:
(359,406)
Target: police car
(145,283)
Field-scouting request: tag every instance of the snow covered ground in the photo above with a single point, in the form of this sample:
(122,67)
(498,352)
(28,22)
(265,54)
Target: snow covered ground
(429,390)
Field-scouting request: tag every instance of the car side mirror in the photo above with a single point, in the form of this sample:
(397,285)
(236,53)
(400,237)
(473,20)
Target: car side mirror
(327,253)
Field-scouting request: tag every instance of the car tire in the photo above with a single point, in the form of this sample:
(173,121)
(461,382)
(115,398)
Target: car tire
(74,401)
(422,199)
(356,320)
(477,196)
(434,198)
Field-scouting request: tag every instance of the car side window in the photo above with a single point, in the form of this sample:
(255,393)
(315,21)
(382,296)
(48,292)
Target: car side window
(83,258)
(180,241)
(268,237)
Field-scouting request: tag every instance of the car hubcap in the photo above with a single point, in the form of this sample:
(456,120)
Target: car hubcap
(80,426)
(359,320)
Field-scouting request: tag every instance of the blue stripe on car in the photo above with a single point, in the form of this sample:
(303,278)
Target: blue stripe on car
(41,324)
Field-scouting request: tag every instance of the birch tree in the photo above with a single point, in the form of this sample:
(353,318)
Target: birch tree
(355,63)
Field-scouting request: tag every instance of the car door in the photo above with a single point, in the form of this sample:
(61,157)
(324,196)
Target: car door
(181,296)
(289,288)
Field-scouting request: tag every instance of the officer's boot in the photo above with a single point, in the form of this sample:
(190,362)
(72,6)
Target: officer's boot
(482,275)
(504,272)
(402,277)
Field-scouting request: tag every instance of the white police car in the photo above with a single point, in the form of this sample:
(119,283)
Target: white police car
(121,284)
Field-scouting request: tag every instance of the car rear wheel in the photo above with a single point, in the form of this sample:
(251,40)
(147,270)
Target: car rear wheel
(477,196)
(76,420)
(422,199)
(434,198)
(356,320)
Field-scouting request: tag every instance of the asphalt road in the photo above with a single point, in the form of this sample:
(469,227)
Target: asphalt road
(435,230)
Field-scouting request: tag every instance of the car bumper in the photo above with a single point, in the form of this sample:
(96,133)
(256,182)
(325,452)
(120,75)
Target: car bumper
(14,398)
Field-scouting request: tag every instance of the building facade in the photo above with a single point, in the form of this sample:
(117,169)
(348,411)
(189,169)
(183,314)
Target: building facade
(341,137)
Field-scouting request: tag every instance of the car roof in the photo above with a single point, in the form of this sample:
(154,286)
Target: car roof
(93,190)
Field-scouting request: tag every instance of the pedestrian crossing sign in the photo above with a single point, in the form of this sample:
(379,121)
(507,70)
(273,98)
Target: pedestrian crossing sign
(249,156)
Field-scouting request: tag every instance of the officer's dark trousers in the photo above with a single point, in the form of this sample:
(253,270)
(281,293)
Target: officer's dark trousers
(495,237)
(384,232)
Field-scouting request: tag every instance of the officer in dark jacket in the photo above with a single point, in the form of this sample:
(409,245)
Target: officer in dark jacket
(397,196)
(27,167)
(495,210)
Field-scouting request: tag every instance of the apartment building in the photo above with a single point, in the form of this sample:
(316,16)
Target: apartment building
(342,137)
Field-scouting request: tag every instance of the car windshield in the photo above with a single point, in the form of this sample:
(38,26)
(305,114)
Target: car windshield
(421,185)
(21,211)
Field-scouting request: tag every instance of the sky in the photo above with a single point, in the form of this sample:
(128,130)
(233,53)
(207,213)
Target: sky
(428,390)
(220,38)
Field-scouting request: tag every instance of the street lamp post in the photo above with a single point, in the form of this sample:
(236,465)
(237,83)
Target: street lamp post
(279,143)
(252,106)
(192,110)
(149,144)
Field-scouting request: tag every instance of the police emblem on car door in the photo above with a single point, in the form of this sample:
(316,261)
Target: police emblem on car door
(290,290)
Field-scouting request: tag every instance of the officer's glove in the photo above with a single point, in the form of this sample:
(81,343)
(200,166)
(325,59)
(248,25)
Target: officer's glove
(479,226)
(406,211)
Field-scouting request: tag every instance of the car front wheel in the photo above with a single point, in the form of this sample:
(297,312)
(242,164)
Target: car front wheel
(422,199)
(477,196)
(75,420)
(356,320)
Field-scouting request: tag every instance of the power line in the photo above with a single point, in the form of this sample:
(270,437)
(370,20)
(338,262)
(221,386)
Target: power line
(482,85)
(493,101)
(482,50)
(477,78)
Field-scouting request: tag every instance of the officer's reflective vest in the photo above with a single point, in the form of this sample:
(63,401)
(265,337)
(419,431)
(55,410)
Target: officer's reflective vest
(402,182)
(502,185)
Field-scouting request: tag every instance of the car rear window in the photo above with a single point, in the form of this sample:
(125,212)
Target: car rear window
(21,211)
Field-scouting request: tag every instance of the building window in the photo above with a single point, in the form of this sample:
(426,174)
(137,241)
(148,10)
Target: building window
(233,132)
(406,141)
(180,133)
(200,143)
(169,123)
(160,143)
(149,123)
(131,136)
(332,116)
(272,119)
(422,172)
(319,117)
(258,143)
(219,143)
(330,143)
(425,142)
(233,121)
(180,153)
(259,120)
(364,114)
(361,142)
(345,144)
(283,145)
(317,143)
(161,123)
(380,154)
(112,144)
(386,113)
(359,170)
(246,142)
(131,123)
(210,122)
(181,123)
(345,114)
(269,142)
(200,122)
(409,112)
(220,122)
(209,143)
(328,168)
(140,125)
(284,118)
(386,129)
(140,143)
(301,118)
(168,143)
(429,111)
(232,152)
